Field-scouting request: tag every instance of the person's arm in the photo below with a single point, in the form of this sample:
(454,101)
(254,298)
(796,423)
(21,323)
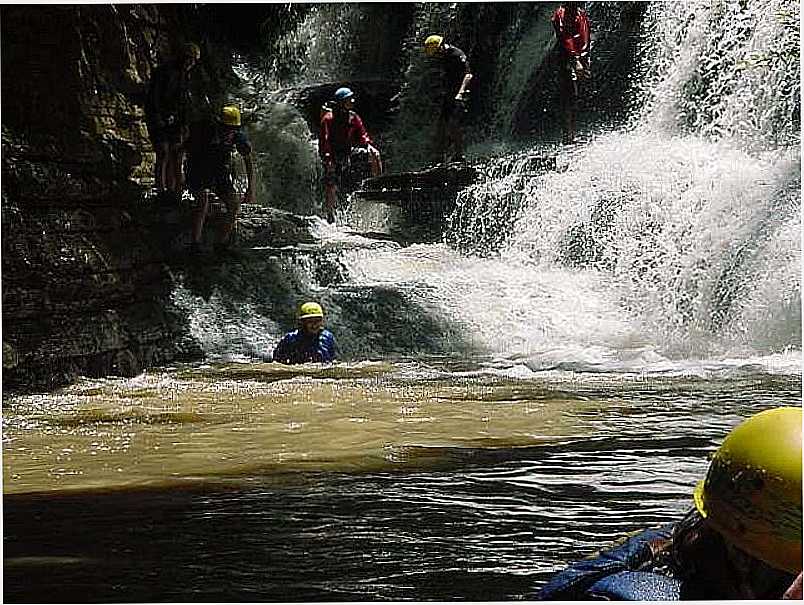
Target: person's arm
(360,136)
(248,159)
(467,73)
(557,25)
(282,350)
(464,86)
(565,40)
(327,349)
(324,140)
(363,139)
(585,35)
(245,151)
(615,572)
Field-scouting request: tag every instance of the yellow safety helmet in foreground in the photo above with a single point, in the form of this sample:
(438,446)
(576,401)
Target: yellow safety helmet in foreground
(310,309)
(230,115)
(432,44)
(752,491)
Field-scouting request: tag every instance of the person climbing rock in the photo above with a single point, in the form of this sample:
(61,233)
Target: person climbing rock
(311,342)
(573,36)
(342,132)
(167,114)
(741,540)
(454,102)
(209,153)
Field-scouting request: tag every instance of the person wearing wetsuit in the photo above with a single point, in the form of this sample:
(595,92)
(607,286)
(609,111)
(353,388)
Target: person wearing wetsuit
(455,89)
(311,342)
(167,115)
(741,541)
(573,38)
(342,130)
(209,151)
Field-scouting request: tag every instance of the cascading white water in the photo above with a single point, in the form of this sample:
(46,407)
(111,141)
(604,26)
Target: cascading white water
(677,237)
(725,69)
(672,239)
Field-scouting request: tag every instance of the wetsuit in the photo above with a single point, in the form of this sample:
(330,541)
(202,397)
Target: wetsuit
(340,132)
(300,347)
(628,572)
(209,152)
(167,104)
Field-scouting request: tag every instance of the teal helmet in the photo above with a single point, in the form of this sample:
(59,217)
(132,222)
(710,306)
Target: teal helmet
(343,93)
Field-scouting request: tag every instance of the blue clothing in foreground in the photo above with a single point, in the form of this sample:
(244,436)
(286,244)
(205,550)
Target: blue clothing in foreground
(300,347)
(624,573)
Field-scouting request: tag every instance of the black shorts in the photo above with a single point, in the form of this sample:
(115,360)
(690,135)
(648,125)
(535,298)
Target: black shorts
(204,176)
(170,134)
(340,169)
(453,111)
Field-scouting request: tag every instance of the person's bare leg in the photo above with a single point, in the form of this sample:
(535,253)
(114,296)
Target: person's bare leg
(456,139)
(441,142)
(232,212)
(175,172)
(160,165)
(199,216)
(330,199)
(376,164)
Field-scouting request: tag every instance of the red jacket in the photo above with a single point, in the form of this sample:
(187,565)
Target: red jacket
(337,137)
(573,36)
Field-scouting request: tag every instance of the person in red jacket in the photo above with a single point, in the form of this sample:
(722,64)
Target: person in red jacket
(342,130)
(571,25)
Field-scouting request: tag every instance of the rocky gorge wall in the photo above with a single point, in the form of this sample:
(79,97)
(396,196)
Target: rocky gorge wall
(85,290)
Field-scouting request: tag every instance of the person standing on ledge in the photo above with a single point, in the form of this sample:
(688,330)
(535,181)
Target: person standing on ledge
(167,117)
(741,540)
(209,152)
(342,130)
(457,76)
(573,36)
(311,342)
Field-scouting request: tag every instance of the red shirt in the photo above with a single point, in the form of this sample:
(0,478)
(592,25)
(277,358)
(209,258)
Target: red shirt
(572,35)
(338,136)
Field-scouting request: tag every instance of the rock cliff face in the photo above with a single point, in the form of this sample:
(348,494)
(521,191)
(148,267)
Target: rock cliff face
(84,288)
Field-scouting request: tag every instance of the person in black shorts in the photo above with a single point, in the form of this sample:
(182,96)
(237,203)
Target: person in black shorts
(167,110)
(457,75)
(209,151)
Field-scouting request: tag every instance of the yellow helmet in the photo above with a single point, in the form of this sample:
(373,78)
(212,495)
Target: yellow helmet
(230,115)
(310,309)
(752,491)
(432,44)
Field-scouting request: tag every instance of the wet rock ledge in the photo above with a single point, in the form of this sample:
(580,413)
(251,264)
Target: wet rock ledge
(86,287)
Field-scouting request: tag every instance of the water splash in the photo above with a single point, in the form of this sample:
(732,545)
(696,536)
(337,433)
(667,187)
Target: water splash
(692,213)
(726,69)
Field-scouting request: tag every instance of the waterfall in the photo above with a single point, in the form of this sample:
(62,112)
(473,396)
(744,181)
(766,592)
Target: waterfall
(724,69)
(691,212)
(671,233)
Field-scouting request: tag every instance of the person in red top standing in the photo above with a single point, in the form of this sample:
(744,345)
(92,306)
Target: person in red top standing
(342,130)
(571,25)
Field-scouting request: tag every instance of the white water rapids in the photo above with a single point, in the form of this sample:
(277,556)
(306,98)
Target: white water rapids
(670,243)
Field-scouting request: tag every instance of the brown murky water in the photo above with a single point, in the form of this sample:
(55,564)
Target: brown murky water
(238,420)
(352,482)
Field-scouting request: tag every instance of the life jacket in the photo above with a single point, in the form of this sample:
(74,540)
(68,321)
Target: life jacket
(340,132)
(624,573)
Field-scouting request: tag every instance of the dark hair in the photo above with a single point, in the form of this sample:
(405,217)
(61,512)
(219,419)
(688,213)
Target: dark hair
(704,560)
